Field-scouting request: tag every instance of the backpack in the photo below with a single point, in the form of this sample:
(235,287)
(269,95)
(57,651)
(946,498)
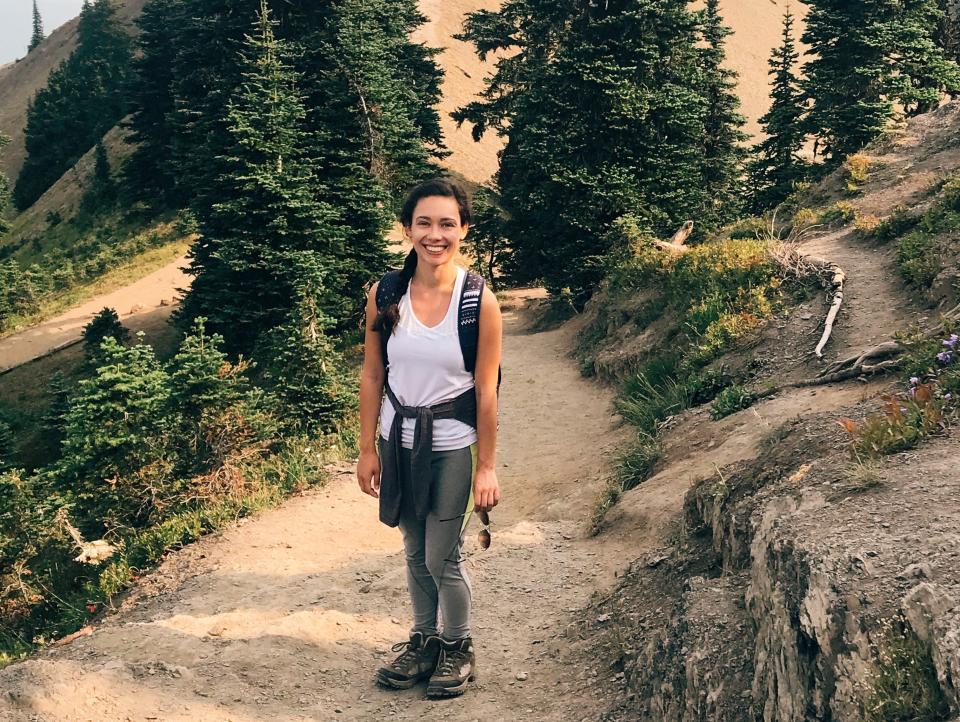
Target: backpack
(468,317)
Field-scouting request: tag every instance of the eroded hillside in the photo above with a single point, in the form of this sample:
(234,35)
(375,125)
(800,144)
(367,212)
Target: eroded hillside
(808,568)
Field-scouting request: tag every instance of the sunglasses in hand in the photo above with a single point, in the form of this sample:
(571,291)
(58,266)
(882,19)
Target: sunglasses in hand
(484,536)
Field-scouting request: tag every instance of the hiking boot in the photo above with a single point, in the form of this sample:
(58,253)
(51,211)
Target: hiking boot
(417,661)
(456,668)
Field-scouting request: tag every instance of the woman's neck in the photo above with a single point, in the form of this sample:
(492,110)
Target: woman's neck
(442,276)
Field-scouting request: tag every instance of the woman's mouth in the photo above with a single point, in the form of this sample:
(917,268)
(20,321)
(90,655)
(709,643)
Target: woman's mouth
(435,250)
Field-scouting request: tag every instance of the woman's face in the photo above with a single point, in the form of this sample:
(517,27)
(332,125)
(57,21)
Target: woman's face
(436,231)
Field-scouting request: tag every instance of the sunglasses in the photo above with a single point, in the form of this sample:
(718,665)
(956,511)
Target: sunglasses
(484,536)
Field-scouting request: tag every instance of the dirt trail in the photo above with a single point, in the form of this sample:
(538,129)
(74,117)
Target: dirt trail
(131,302)
(284,616)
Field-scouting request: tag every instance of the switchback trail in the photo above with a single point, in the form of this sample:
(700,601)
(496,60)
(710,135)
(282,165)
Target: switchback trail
(285,615)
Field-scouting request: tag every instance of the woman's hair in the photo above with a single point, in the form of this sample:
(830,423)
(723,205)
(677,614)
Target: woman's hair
(388,318)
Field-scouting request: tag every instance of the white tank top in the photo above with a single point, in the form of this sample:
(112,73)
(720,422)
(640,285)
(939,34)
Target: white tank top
(426,367)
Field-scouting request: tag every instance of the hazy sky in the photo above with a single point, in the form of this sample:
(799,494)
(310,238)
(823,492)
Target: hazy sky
(16,23)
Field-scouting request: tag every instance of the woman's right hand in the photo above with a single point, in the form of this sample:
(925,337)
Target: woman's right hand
(368,473)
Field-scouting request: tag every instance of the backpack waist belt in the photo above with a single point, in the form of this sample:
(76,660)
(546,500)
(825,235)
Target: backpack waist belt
(463,408)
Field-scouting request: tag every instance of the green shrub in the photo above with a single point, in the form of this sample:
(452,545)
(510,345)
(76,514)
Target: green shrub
(894,225)
(918,258)
(730,400)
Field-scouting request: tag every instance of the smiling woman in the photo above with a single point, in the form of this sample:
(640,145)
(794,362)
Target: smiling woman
(433,344)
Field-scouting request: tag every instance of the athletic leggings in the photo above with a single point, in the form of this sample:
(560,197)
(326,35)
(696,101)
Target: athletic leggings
(436,576)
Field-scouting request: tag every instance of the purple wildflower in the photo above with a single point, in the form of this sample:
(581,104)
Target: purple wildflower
(947,397)
(952,341)
(944,357)
(914,380)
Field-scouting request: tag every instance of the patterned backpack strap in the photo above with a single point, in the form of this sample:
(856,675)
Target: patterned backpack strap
(388,293)
(468,324)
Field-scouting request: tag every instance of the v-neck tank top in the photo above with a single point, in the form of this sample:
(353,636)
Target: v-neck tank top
(425,368)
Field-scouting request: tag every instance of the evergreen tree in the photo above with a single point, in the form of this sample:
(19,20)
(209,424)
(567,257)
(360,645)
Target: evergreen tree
(866,57)
(371,130)
(487,241)
(243,263)
(4,191)
(776,165)
(603,110)
(204,385)
(105,324)
(37,36)
(724,151)
(102,191)
(948,29)
(149,172)
(301,366)
(83,99)
(116,463)
(54,419)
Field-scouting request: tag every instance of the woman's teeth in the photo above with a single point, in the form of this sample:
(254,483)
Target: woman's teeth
(436,250)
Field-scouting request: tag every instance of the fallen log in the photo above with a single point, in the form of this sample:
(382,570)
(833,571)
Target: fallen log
(676,242)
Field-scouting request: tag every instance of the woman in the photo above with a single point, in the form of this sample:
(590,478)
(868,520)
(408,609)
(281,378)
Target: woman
(438,425)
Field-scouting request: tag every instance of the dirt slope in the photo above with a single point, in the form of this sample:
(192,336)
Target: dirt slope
(286,615)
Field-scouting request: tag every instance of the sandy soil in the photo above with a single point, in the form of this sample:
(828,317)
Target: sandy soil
(132,303)
(286,615)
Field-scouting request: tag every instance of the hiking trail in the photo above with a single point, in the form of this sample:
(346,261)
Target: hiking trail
(285,615)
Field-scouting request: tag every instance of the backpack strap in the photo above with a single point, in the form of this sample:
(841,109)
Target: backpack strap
(468,324)
(388,293)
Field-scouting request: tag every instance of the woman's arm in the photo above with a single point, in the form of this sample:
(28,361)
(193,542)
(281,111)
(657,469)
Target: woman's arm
(371,392)
(486,488)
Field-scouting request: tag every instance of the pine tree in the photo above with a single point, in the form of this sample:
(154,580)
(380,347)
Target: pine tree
(487,241)
(603,110)
(301,366)
(243,263)
(149,172)
(102,191)
(37,36)
(948,29)
(776,165)
(116,463)
(4,191)
(724,151)
(866,57)
(105,324)
(83,99)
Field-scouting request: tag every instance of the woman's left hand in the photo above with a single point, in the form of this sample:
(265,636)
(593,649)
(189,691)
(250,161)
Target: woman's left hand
(486,490)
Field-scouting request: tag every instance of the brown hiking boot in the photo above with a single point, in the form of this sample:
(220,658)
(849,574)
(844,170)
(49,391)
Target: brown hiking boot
(416,661)
(456,668)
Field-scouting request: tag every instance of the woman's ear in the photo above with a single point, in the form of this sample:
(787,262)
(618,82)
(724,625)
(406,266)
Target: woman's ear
(464,229)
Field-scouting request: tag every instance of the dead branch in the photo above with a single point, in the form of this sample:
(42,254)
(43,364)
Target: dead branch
(675,244)
(838,278)
(90,552)
(83,632)
(881,351)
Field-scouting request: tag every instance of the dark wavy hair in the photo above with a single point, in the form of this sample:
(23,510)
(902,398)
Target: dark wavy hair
(388,318)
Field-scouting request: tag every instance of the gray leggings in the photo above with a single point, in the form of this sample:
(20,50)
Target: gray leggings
(435,574)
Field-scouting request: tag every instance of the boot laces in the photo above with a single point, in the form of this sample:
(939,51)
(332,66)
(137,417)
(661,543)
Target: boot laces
(449,660)
(410,652)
